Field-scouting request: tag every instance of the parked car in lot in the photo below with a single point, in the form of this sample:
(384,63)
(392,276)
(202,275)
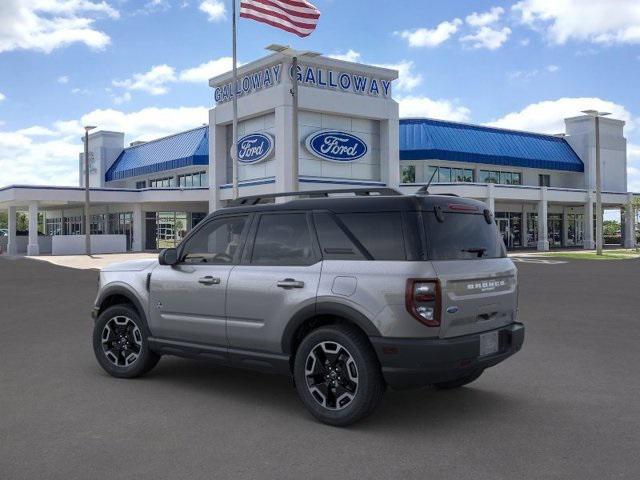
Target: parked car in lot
(4,232)
(347,294)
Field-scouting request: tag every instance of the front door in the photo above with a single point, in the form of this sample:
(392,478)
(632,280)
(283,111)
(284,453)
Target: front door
(187,300)
(278,276)
(504,227)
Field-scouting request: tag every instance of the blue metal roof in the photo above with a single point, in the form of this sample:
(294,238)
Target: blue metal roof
(183,149)
(427,139)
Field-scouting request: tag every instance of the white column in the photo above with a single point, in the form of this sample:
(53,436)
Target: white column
(33,248)
(543,238)
(283,154)
(589,242)
(390,150)
(138,232)
(12,245)
(629,224)
(491,200)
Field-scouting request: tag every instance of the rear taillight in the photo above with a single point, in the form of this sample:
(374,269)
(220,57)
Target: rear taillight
(422,299)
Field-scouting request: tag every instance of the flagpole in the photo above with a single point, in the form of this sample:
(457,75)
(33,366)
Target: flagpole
(294,125)
(234,146)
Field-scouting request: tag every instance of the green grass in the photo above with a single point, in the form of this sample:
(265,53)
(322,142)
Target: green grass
(617,254)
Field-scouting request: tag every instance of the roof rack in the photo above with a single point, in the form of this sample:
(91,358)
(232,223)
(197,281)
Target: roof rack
(256,199)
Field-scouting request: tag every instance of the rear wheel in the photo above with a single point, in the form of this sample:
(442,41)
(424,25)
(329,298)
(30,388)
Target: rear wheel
(337,375)
(120,343)
(459,382)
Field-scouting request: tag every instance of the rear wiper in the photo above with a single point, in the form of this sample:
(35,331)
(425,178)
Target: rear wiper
(479,251)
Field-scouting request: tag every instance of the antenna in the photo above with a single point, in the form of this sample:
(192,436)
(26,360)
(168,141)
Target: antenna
(425,190)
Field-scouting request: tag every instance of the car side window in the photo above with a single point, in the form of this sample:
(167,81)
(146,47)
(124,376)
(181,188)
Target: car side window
(380,233)
(283,239)
(216,243)
(334,241)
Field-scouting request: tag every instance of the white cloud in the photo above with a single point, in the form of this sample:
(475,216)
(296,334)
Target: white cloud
(214,9)
(486,18)
(595,21)
(424,37)
(2,96)
(419,106)
(525,42)
(203,72)
(552,68)
(407,78)
(527,75)
(487,37)
(154,81)
(349,56)
(63,79)
(48,155)
(120,99)
(45,25)
(548,116)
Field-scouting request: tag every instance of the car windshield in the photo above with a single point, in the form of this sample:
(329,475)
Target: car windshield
(462,236)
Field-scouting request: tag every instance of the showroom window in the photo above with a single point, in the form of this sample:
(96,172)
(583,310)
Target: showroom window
(447,174)
(408,174)
(503,178)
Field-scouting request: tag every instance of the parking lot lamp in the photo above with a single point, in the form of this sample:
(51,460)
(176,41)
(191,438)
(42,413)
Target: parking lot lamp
(295,146)
(87,216)
(596,114)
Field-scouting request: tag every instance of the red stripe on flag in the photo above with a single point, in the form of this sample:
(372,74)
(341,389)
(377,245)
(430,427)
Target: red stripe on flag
(274,24)
(273,13)
(293,13)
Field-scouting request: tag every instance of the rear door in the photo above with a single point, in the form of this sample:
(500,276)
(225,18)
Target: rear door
(477,280)
(278,276)
(187,300)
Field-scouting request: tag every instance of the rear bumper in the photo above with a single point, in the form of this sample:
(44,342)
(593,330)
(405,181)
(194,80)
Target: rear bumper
(412,363)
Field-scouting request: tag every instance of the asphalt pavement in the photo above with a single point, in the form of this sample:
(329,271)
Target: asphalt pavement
(565,407)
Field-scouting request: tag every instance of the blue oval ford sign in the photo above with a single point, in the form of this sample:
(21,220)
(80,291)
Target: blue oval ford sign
(255,147)
(336,146)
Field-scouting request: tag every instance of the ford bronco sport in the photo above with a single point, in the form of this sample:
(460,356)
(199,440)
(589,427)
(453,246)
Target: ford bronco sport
(346,294)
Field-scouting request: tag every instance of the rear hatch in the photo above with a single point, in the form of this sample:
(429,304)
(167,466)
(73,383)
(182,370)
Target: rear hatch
(478,283)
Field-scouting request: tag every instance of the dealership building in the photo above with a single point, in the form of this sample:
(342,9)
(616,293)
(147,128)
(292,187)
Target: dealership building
(147,195)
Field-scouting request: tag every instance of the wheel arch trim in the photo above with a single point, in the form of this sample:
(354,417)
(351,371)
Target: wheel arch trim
(336,309)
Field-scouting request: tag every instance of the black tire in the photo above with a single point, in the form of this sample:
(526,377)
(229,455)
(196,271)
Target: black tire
(355,396)
(125,338)
(459,382)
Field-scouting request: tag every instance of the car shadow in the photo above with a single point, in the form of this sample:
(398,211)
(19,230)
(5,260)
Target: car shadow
(401,410)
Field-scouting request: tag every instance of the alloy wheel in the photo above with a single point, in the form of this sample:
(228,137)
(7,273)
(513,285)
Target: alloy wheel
(121,341)
(331,375)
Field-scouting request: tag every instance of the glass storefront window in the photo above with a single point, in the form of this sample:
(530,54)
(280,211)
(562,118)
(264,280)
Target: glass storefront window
(510,227)
(554,229)
(504,178)
(487,176)
(532,229)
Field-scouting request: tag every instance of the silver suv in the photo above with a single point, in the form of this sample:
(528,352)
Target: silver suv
(346,294)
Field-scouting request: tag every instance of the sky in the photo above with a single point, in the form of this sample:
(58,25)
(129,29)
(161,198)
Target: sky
(141,66)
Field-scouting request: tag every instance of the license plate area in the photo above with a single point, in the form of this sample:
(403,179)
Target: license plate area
(489,343)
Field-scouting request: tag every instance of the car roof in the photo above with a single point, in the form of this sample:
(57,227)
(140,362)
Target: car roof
(362,204)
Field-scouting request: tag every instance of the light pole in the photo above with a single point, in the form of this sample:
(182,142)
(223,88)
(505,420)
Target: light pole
(87,216)
(295,145)
(596,114)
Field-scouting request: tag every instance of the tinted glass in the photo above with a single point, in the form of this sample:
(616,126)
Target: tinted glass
(380,233)
(283,240)
(217,242)
(462,236)
(334,242)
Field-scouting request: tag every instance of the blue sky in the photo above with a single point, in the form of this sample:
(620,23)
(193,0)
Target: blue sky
(142,66)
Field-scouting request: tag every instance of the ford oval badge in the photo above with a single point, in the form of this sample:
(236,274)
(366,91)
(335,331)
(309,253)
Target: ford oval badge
(336,146)
(255,148)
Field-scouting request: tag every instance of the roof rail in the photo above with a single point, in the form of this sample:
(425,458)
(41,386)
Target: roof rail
(256,199)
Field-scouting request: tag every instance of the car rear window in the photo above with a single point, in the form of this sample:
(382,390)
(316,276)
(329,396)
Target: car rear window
(462,236)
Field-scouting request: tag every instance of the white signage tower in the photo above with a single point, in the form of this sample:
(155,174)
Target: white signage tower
(348,127)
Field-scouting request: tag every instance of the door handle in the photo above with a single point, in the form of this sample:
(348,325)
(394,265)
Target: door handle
(290,283)
(209,280)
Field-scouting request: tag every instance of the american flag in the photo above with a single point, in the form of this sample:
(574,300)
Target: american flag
(294,16)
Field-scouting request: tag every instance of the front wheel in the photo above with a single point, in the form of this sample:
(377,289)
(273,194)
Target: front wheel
(337,375)
(120,343)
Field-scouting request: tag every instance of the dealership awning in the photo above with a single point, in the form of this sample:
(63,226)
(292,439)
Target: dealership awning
(184,149)
(428,139)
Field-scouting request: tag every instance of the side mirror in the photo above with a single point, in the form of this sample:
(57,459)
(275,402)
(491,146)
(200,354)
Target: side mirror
(168,256)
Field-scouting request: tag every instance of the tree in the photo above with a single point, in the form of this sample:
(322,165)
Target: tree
(3,220)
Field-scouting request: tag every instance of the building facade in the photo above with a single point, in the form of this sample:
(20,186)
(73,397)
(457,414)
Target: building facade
(147,195)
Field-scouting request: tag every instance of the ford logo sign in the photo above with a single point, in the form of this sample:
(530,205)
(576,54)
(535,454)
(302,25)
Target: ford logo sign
(336,146)
(255,148)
